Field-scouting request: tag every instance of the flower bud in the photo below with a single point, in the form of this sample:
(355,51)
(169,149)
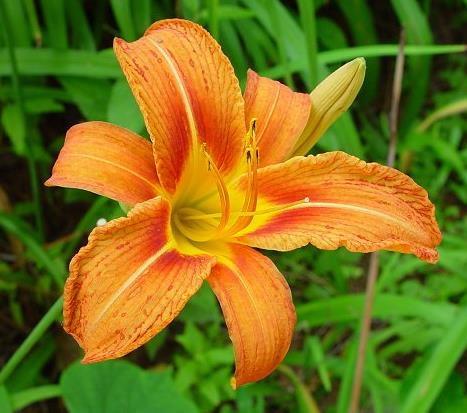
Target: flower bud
(329,100)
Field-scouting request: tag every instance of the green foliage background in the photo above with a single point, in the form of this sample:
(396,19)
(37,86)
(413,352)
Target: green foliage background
(56,69)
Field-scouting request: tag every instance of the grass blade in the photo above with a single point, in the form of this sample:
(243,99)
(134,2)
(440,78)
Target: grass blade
(308,22)
(418,32)
(122,12)
(437,367)
(387,306)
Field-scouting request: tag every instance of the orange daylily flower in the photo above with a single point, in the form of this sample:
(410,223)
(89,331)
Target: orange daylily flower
(224,173)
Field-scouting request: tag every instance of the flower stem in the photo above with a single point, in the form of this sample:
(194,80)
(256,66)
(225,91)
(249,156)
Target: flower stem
(33,337)
(374,258)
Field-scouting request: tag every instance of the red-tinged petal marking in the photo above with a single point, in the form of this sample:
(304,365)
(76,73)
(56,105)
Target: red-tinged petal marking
(129,282)
(107,160)
(258,310)
(364,207)
(281,116)
(188,94)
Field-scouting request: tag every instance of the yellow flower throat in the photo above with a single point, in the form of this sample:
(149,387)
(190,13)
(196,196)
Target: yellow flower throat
(201,227)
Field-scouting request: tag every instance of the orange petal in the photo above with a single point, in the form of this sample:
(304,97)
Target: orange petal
(129,282)
(188,94)
(364,207)
(107,160)
(258,310)
(281,116)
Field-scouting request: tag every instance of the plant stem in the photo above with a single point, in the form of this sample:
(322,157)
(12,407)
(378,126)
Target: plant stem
(20,102)
(374,258)
(33,337)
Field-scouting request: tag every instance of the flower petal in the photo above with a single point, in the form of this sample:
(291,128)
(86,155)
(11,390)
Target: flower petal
(129,282)
(188,94)
(364,207)
(107,160)
(258,309)
(281,116)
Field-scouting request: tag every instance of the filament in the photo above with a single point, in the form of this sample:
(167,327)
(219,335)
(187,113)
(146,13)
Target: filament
(190,214)
(221,189)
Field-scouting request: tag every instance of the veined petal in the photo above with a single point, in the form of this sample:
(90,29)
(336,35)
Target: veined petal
(281,116)
(189,95)
(129,282)
(258,309)
(364,207)
(107,160)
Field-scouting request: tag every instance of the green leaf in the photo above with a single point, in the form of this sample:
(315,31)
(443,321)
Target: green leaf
(122,12)
(350,307)
(15,226)
(36,394)
(5,403)
(436,367)
(90,95)
(122,108)
(38,62)
(80,25)
(417,77)
(119,386)
(54,15)
(13,123)
(16,15)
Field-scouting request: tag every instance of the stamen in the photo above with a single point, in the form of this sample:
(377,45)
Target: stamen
(188,215)
(251,195)
(222,190)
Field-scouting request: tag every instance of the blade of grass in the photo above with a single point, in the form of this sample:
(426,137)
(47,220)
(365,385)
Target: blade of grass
(437,368)
(142,15)
(346,308)
(80,25)
(33,21)
(451,109)
(276,21)
(33,337)
(362,27)
(344,55)
(305,401)
(24,398)
(213,18)
(418,31)
(14,226)
(233,48)
(5,402)
(40,62)
(13,69)
(122,12)
(13,12)
(308,22)
(55,22)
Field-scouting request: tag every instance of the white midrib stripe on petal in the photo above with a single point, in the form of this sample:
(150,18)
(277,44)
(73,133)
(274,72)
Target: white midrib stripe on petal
(368,211)
(130,280)
(116,165)
(183,92)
